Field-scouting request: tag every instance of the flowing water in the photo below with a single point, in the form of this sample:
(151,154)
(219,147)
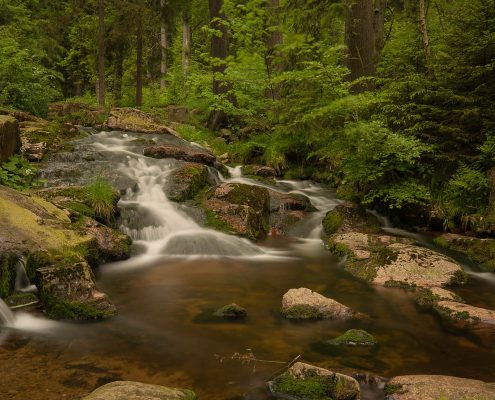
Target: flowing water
(181,273)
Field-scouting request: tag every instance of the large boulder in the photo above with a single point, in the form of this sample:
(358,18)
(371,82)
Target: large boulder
(304,381)
(303,303)
(349,217)
(480,251)
(134,120)
(280,201)
(259,170)
(391,261)
(187,181)
(69,292)
(10,141)
(239,209)
(186,153)
(124,390)
(436,387)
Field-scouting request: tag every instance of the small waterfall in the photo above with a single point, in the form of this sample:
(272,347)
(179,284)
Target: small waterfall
(6,316)
(22,282)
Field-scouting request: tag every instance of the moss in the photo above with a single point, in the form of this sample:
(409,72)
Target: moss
(339,249)
(426,299)
(400,284)
(253,196)
(452,315)
(212,221)
(302,311)
(441,242)
(392,388)
(8,263)
(480,251)
(332,222)
(188,181)
(354,337)
(57,309)
(312,387)
(460,277)
(21,299)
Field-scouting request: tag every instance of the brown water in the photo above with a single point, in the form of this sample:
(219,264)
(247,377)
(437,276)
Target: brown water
(164,333)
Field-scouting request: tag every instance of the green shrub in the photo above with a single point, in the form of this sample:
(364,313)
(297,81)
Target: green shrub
(101,196)
(18,173)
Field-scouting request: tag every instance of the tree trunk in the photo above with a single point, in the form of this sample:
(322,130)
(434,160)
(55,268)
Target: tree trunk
(164,48)
(379,27)
(118,74)
(186,40)
(101,53)
(139,61)
(360,39)
(425,39)
(274,39)
(219,52)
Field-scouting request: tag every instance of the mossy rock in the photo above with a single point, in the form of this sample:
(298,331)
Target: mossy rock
(135,390)
(332,222)
(8,262)
(302,311)
(19,300)
(187,182)
(349,217)
(231,311)
(354,337)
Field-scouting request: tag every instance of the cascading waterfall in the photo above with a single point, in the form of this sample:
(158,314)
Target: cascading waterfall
(6,316)
(22,282)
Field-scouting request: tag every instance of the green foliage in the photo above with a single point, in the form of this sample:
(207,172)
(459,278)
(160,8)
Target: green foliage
(18,173)
(102,198)
(354,337)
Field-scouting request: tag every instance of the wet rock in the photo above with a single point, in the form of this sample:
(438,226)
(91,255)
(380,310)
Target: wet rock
(69,292)
(10,141)
(480,251)
(22,300)
(239,209)
(259,170)
(435,387)
(349,217)
(231,311)
(354,337)
(289,202)
(75,113)
(427,298)
(125,390)
(303,381)
(187,181)
(8,268)
(185,153)
(282,222)
(465,315)
(391,261)
(134,120)
(303,303)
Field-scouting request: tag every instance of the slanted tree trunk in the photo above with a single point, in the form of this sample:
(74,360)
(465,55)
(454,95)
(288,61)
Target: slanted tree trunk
(101,54)
(425,39)
(164,48)
(219,52)
(273,39)
(186,40)
(139,61)
(360,39)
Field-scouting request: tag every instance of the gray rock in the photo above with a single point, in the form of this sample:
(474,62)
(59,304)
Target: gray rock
(124,390)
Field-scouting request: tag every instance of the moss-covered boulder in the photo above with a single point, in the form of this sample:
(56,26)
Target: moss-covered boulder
(395,262)
(349,217)
(10,141)
(239,209)
(231,311)
(134,120)
(22,300)
(259,170)
(427,298)
(125,390)
(466,316)
(69,292)
(354,337)
(436,387)
(480,251)
(76,113)
(185,153)
(280,201)
(303,303)
(187,181)
(307,382)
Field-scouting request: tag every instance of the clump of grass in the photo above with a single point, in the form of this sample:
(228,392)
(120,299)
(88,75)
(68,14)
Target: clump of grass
(102,198)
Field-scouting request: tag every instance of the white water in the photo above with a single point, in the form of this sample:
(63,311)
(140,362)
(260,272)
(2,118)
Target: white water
(22,282)
(6,316)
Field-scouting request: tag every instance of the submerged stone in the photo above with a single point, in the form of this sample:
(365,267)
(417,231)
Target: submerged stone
(436,387)
(303,303)
(354,337)
(303,381)
(125,390)
(231,311)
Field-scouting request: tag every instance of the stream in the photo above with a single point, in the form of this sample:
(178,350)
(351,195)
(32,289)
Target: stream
(182,272)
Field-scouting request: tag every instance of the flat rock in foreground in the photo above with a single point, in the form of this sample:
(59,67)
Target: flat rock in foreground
(125,390)
(303,303)
(436,387)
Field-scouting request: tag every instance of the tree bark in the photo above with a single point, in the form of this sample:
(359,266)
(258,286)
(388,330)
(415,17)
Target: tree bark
(139,61)
(360,39)
(118,74)
(219,52)
(379,9)
(186,40)
(101,53)
(164,48)
(425,39)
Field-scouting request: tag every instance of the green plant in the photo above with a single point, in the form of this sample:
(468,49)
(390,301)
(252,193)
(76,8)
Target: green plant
(101,196)
(18,173)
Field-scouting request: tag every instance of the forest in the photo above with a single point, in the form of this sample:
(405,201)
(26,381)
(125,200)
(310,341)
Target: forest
(391,102)
(247,199)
